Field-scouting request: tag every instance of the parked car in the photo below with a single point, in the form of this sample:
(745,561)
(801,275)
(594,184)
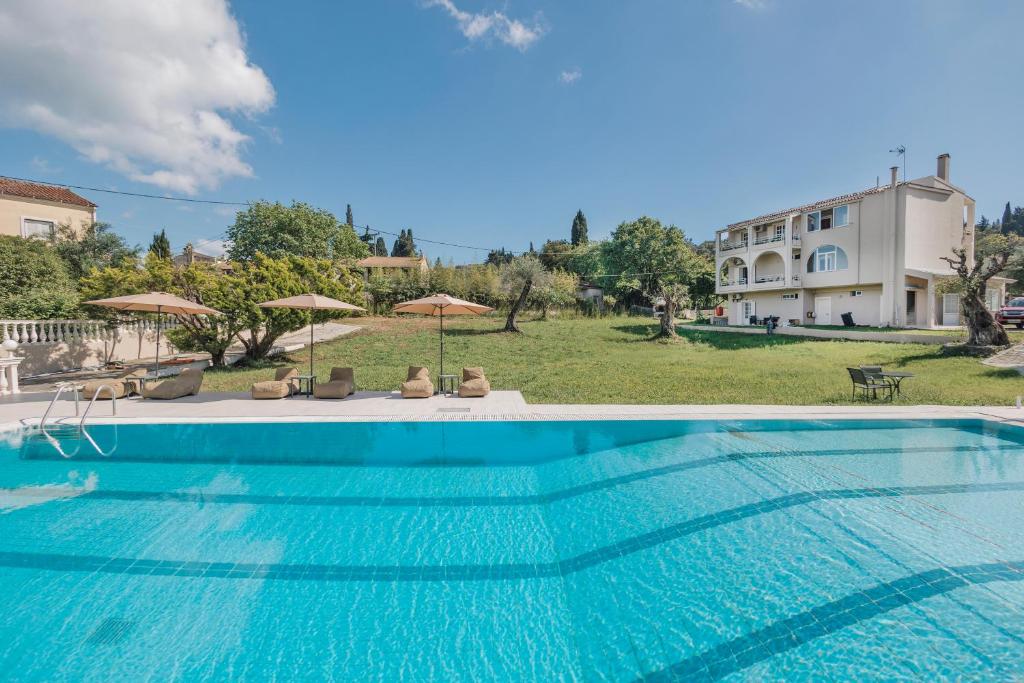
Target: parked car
(1012,313)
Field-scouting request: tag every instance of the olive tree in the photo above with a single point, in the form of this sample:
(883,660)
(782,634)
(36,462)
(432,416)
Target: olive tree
(991,256)
(518,278)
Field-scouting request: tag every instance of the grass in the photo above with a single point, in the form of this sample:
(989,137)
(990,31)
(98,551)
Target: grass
(613,360)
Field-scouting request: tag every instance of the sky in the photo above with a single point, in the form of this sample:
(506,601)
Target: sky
(489,124)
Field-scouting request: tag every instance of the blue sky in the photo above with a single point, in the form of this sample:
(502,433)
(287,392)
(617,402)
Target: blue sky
(491,123)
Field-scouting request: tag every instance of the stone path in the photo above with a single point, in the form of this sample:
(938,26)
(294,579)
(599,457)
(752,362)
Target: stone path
(1012,357)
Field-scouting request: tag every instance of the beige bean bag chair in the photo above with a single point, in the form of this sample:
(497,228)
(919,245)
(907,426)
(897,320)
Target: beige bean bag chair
(341,384)
(118,384)
(283,385)
(418,385)
(474,384)
(185,384)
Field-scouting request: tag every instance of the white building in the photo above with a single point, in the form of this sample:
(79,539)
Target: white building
(876,254)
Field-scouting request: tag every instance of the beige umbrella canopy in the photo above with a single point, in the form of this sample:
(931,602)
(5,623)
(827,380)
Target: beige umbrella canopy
(311,302)
(441,305)
(155,302)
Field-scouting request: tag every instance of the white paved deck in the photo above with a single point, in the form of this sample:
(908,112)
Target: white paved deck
(499,405)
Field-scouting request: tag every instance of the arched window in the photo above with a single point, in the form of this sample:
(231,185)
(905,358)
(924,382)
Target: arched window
(827,258)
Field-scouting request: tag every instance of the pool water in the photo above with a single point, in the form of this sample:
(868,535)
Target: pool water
(468,551)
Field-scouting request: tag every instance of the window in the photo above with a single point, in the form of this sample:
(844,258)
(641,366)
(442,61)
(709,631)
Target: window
(836,217)
(789,297)
(780,231)
(856,292)
(826,259)
(31,227)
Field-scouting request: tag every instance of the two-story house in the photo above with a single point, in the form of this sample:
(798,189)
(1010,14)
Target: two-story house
(875,254)
(35,210)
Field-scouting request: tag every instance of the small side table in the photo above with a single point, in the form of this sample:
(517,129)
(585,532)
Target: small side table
(447,384)
(307,381)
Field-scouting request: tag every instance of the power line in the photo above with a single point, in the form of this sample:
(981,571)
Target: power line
(128,194)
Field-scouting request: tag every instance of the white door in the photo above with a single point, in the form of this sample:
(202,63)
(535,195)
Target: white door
(746,310)
(822,310)
(950,309)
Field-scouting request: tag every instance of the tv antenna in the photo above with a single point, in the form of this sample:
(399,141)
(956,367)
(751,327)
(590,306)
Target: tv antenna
(901,151)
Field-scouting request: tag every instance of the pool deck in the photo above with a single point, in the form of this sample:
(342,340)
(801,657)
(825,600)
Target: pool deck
(499,405)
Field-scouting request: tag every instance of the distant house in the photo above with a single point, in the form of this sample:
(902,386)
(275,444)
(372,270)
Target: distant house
(190,256)
(393,264)
(35,210)
(587,292)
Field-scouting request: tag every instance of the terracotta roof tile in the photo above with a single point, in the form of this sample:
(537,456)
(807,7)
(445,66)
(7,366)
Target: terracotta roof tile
(391,262)
(814,206)
(49,193)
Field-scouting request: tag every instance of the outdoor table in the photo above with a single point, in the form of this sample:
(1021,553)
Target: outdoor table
(448,381)
(309,381)
(896,377)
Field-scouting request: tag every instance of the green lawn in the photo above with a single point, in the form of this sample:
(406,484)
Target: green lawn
(612,360)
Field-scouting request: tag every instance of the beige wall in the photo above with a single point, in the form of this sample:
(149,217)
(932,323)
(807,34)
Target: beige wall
(14,209)
(866,309)
(766,304)
(934,228)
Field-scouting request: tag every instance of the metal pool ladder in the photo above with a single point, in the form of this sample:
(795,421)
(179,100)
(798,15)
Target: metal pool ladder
(81,431)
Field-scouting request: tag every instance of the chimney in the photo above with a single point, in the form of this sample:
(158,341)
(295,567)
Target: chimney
(943,167)
(894,171)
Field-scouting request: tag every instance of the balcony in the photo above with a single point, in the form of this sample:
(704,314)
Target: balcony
(730,246)
(768,239)
(762,279)
(734,285)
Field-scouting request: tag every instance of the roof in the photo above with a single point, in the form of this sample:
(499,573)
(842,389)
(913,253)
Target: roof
(49,193)
(814,206)
(391,262)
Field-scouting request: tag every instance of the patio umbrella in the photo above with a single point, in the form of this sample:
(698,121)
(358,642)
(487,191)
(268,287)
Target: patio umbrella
(155,302)
(311,302)
(441,305)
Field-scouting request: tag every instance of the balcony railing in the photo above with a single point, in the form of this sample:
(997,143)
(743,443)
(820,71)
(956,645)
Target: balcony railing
(796,237)
(734,283)
(728,246)
(768,239)
(796,278)
(769,278)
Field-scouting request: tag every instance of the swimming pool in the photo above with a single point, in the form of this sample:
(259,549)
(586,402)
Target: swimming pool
(589,550)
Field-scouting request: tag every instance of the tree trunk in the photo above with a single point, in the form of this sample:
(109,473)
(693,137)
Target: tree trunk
(217,358)
(510,323)
(982,328)
(668,320)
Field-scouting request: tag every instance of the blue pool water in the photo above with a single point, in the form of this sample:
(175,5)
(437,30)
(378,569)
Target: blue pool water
(657,550)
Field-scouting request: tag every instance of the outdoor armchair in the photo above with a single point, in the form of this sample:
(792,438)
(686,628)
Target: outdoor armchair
(418,384)
(121,387)
(865,384)
(474,383)
(284,384)
(185,384)
(341,384)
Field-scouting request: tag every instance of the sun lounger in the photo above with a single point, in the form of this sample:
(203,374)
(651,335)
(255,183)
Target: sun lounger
(474,383)
(118,384)
(185,384)
(418,384)
(283,385)
(341,384)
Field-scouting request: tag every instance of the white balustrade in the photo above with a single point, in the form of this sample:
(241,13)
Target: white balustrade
(68,331)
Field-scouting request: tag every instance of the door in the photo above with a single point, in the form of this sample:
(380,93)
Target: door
(911,308)
(822,310)
(950,309)
(746,311)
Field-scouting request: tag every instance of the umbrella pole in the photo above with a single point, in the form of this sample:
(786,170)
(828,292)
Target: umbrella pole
(442,342)
(311,343)
(158,342)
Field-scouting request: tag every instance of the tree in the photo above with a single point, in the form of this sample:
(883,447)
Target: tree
(1007,221)
(348,215)
(991,257)
(518,278)
(95,245)
(161,246)
(579,229)
(380,248)
(656,261)
(276,230)
(559,291)
(982,225)
(532,250)
(587,260)
(497,257)
(554,253)
(36,282)
(404,244)
(367,238)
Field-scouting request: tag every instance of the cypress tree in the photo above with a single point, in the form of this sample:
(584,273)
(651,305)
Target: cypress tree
(380,248)
(161,246)
(1007,219)
(348,215)
(579,229)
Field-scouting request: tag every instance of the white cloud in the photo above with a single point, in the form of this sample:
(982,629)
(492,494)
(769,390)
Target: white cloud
(570,76)
(211,247)
(493,25)
(44,166)
(752,4)
(145,87)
